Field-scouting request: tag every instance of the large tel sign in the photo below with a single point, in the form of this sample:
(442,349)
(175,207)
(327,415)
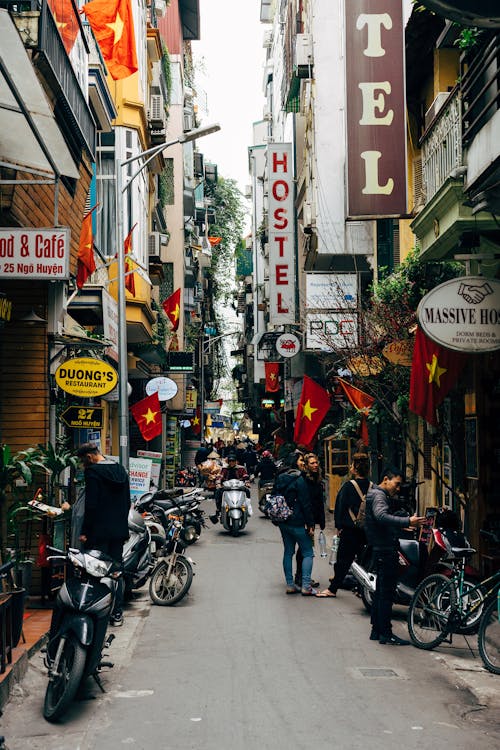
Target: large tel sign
(86,377)
(463,314)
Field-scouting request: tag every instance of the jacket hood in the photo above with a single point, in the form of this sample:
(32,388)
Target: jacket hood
(109,471)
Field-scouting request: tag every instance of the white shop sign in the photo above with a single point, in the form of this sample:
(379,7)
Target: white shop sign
(463,314)
(331,290)
(34,253)
(328,331)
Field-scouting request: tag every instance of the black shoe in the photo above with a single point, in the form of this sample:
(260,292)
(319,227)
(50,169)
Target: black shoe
(374,636)
(393,640)
(116,620)
(214,518)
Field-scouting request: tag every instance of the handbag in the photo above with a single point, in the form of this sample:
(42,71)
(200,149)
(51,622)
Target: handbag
(278,509)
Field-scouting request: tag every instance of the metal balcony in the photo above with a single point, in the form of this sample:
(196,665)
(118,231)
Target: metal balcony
(442,146)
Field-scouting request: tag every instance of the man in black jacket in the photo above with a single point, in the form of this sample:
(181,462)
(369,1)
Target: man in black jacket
(381,528)
(107,504)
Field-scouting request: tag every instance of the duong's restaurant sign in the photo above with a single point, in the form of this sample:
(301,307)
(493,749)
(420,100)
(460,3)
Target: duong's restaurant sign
(86,377)
(463,314)
(375,84)
(34,254)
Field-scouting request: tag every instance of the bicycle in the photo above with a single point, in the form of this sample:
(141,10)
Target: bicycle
(443,606)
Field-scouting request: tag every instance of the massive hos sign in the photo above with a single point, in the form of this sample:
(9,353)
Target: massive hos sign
(86,377)
(281,234)
(376,138)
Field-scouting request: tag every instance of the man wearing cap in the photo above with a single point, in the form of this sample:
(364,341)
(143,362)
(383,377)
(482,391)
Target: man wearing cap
(232,471)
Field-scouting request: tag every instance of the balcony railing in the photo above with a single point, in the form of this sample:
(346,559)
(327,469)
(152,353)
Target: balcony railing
(480,87)
(442,146)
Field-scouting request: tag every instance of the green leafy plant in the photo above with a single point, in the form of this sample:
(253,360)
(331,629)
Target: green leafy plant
(56,458)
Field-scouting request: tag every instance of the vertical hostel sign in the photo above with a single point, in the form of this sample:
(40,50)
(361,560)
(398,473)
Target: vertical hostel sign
(281,234)
(376,136)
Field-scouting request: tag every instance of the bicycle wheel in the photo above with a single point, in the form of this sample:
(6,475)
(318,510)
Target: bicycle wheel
(430,610)
(471,602)
(489,637)
(165,589)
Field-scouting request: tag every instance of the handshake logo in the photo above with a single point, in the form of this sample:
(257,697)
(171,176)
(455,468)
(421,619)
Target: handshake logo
(473,293)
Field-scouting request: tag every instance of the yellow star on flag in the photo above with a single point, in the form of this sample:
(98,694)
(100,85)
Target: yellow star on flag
(195,421)
(308,410)
(150,416)
(176,312)
(435,371)
(272,376)
(117,27)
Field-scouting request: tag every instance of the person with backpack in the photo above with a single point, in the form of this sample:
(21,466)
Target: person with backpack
(297,529)
(349,516)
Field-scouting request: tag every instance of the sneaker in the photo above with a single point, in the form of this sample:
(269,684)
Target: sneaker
(374,636)
(214,518)
(309,591)
(116,620)
(393,640)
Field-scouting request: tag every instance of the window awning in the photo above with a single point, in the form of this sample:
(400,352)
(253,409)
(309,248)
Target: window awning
(30,136)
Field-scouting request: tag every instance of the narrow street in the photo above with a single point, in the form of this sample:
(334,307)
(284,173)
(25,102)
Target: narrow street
(240,665)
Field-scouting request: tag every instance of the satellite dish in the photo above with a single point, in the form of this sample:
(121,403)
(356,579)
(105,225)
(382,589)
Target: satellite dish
(485,13)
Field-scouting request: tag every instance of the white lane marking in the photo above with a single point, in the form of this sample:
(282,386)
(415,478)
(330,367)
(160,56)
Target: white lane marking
(134,693)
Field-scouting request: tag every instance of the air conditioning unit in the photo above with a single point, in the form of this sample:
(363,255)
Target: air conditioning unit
(156,112)
(156,241)
(436,105)
(303,55)
(308,219)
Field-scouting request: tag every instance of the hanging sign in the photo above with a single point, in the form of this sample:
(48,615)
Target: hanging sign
(288,345)
(399,352)
(83,417)
(165,387)
(34,254)
(463,314)
(86,377)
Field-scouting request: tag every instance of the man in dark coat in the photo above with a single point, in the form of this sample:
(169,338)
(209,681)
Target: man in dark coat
(382,529)
(107,504)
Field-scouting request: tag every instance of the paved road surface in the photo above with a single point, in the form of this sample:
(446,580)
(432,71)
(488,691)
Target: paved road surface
(241,665)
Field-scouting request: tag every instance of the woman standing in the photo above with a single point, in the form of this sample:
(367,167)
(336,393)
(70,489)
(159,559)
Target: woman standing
(351,538)
(311,471)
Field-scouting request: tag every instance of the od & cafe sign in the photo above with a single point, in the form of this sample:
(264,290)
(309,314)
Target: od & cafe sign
(34,253)
(375,85)
(86,377)
(281,234)
(463,314)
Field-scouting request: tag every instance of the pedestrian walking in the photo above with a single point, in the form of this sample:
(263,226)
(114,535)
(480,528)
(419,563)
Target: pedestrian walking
(382,528)
(352,538)
(298,529)
(107,504)
(314,482)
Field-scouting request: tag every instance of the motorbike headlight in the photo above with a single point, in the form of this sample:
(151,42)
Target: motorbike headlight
(97,568)
(190,534)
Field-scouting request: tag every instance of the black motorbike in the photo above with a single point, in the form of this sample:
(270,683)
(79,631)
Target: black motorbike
(77,635)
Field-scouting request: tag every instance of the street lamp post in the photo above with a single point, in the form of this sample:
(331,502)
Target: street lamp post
(150,153)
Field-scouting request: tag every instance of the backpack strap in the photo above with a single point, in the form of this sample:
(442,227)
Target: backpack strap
(356,486)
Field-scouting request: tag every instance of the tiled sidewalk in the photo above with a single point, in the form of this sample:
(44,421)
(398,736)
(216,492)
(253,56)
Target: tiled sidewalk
(35,627)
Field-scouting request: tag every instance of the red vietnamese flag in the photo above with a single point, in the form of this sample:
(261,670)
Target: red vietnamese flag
(272,376)
(361,401)
(66,21)
(172,308)
(434,372)
(196,422)
(214,241)
(113,26)
(129,275)
(313,406)
(86,262)
(147,414)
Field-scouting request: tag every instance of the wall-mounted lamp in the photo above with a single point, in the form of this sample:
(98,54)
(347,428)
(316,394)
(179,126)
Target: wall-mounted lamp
(32,319)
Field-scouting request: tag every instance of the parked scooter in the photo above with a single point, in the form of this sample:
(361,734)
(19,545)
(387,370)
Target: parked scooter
(236,507)
(416,560)
(77,634)
(138,558)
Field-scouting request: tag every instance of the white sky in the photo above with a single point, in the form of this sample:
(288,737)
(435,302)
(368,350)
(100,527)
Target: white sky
(229,62)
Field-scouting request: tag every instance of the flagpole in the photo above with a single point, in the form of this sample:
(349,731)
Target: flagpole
(123,415)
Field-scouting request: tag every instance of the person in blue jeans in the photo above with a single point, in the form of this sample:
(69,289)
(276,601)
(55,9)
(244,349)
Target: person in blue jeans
(298,530)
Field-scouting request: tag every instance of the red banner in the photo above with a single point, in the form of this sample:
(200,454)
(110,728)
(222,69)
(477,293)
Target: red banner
(313,406)
(272,370)
(147,414)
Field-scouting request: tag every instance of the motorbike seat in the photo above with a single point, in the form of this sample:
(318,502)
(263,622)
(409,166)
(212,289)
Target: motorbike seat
(166,505)
(464,552)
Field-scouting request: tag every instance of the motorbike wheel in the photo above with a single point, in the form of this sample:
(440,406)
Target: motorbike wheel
(489,637)
(430,610)
(165,589)
(156,546)
(62,689)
